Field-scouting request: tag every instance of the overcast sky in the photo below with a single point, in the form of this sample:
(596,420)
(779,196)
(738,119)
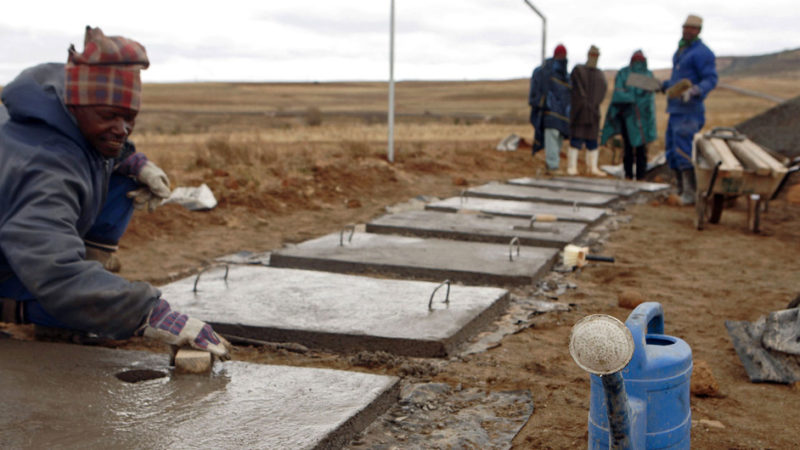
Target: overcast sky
(303,40)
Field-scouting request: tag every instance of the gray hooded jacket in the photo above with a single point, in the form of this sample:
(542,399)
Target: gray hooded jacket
(52,187)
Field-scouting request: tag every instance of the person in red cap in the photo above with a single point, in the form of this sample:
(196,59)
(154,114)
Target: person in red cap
(549,99)
(69,181)
(588,90)
(632,114)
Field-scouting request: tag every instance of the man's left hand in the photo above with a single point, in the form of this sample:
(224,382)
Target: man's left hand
(155,190)
(693,91)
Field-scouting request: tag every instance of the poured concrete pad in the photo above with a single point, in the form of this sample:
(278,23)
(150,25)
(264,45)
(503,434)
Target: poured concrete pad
(334,311)
(514,208)
(534,194)
(467,262)
(549,183)
(478,227)
(68,396)
(640,186)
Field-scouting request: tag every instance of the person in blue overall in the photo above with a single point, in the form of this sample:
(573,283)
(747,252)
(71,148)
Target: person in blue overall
(69,182)
(694,75)
(549,99)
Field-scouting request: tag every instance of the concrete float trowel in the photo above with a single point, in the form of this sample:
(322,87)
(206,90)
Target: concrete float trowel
(539,218)
(189,360)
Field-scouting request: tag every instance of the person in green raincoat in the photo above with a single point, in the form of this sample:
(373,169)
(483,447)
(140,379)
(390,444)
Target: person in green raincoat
(632,114)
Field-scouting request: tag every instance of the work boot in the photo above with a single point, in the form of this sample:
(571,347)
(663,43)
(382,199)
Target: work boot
(689,184)
(678,180)
(591,163)
(572,161)
(104,256)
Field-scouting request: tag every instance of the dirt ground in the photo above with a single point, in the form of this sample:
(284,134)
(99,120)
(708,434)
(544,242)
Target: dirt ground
(287,182)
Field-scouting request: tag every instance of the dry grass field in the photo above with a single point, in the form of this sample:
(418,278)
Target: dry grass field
(289,162)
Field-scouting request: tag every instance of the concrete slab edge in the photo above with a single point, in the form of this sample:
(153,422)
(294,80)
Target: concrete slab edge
(449,209)
(538,200)
(357,423)
(422,273)
(478,324)
(471,236)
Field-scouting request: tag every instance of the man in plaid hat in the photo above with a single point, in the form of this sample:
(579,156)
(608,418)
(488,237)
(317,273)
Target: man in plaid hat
(69,181)
(694,75)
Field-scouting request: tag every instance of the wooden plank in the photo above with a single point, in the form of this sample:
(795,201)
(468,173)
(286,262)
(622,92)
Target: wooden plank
(708,152)
(749,159)
(730,164)
(778,169)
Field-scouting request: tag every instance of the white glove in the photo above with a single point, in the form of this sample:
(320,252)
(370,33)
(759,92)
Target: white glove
(155,190)
(173,328)
(693,91)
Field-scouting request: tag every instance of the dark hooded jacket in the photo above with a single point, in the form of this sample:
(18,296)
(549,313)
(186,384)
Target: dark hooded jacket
(52,187)
(549,98)
(633,107)
(588,90)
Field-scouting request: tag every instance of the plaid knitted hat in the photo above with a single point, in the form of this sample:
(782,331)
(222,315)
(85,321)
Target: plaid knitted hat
(560,52)
(107,72)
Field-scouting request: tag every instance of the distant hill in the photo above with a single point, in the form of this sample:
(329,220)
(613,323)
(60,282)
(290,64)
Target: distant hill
(782,63)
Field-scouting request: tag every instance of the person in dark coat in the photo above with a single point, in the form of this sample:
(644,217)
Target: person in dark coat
(694,75)
(588,90)
(632,114)
(65,131)
(549,98)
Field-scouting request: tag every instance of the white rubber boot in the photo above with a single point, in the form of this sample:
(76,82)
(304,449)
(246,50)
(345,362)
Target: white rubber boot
(572,161)
(591,163)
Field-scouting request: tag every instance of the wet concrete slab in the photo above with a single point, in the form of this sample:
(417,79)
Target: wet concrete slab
(541,195)
(640,186)
(478,227)
(337,312)
(473,263)
(69,396)
(569,185)
(514,208)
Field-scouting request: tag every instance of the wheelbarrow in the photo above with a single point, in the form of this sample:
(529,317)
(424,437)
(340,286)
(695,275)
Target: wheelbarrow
(727,164)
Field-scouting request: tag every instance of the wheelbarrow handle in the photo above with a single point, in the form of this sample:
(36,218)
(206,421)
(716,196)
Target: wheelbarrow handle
(600,258)
(725,133)
(714,174)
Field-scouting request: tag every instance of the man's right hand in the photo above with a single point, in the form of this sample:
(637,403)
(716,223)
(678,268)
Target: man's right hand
(173,328)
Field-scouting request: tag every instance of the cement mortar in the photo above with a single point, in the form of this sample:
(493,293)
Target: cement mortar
(542,195)
(516,208)
(337,312)
(468,262)
(478,227)
(67,396)
(569,185)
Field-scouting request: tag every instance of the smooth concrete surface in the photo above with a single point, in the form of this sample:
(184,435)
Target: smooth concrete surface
(641,186)
(334,311)
(474,263)
(68,396)
(513,208)
(549,183)
(535,194)
(478,227)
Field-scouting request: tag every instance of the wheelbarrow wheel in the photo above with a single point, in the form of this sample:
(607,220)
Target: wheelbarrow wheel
(715,212)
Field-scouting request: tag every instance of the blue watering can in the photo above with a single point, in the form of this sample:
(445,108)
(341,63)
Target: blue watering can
(640,380)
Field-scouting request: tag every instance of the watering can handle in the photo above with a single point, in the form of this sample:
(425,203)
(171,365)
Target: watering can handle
(647,318)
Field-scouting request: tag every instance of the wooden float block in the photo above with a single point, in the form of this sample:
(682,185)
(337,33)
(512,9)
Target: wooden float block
(778,169)
(751,160)
(193,361)
(730,165)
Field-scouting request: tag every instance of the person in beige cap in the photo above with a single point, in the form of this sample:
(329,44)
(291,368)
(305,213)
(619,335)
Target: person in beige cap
(694,75)
(588,89)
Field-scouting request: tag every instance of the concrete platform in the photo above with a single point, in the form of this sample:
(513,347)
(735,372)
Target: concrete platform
(541,195)
(338,312)
(69,396)
(550,183)
(478,227)
(640,186)
(433,259)
(513,208)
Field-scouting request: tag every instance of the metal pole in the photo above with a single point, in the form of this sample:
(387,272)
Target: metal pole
(544,27)
(390,150)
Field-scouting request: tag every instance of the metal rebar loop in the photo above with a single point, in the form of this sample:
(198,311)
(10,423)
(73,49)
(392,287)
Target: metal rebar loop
(514,240)
(533,220)
(463,196)
(446,296)
(225,278)
(575,206)
(352,229)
